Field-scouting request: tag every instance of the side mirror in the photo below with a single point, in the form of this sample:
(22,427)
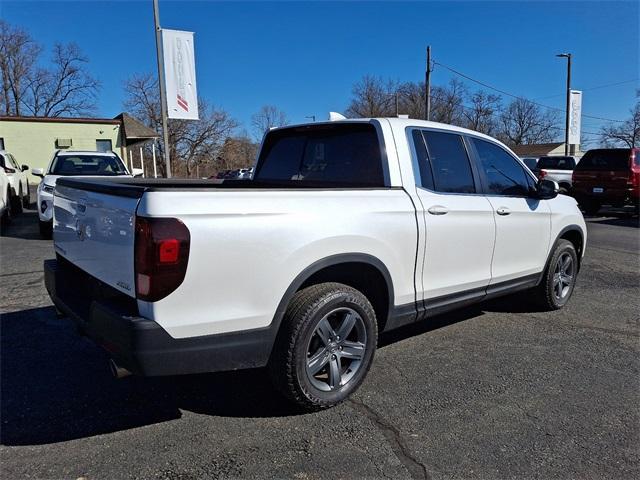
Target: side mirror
(547,189)
(38,172)
(25,168)
(137,172)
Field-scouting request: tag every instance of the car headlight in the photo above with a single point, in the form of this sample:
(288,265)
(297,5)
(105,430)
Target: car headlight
(47,188)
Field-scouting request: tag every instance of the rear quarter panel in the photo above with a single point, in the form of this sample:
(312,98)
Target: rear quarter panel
(248,246)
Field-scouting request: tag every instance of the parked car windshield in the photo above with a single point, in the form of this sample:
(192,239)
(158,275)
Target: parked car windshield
(557,163)
(605,159)
(340,154)
(87,165)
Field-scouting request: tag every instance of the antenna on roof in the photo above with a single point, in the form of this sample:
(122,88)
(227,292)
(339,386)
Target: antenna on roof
(335,116)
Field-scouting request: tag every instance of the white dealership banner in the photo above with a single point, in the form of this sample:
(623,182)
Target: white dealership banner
(180,74)
(575,113)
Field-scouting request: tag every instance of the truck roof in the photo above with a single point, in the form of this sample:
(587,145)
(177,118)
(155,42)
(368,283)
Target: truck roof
(402,123)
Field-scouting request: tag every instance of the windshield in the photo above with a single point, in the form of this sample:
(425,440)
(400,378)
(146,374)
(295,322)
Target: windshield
(605,159)
(557,163)
(87,165)
(337,154)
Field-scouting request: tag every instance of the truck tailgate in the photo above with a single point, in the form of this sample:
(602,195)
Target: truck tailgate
(96,231)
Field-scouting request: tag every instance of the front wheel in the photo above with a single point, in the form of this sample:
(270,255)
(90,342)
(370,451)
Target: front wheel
(46,229)
(559,278)
(325,345)
(26,200)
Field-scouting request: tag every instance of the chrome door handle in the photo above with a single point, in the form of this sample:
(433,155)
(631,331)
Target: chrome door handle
(503,211)
(438,210)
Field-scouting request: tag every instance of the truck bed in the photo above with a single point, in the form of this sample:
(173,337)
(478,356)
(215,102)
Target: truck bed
(136,187)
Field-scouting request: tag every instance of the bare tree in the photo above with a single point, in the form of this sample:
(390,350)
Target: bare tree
(192,143)
(267,117)
(524,123)
(372,97)
(448,103)
(237,152)
(627,133)
(481,114)
(412,99)
(63,88)
(66,88)
(18,56)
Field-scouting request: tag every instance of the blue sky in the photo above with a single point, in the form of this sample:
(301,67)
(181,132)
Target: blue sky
(304,57)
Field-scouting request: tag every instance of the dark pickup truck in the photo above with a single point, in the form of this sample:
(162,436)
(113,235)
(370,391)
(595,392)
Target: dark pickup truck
(607,176)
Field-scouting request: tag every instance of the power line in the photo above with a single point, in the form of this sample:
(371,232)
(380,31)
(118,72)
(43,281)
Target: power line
(517,96)
(502,109)
(593,88)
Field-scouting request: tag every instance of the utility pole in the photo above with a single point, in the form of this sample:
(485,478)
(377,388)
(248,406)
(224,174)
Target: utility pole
(161,82)
(427,85)
(566,124)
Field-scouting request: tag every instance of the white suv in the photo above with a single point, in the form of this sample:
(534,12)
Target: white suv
(70,163)
(18,182)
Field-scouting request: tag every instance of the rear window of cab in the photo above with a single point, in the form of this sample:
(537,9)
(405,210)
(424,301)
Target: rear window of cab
(605,159)
(346,154)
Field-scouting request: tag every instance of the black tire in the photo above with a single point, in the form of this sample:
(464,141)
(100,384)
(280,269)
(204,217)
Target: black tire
(26,200)
(16,203)
(591,207)
(46,229)
(301,333)
(547,295)
(7,215)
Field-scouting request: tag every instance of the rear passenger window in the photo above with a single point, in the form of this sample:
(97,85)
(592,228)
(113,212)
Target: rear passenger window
(422,158)
(505,175)
(448,163)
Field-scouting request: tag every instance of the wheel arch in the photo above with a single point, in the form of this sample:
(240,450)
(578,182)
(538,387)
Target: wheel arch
(361,271)
(574,234)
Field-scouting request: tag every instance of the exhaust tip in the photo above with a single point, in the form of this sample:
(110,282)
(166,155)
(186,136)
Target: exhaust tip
(117,371)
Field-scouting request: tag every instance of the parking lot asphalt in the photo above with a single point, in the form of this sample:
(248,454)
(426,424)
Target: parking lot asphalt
(494,391)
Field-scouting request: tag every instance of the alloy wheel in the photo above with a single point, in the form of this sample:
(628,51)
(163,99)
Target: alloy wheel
(336,349)
(563,276)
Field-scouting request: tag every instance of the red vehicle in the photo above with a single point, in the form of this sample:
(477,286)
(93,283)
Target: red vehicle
(607,176)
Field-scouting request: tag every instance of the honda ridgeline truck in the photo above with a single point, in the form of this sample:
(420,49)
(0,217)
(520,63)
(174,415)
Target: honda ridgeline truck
(347,229)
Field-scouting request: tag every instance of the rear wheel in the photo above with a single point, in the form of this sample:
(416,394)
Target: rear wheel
(559,278)
(325,345)
(16,202)
(46,229)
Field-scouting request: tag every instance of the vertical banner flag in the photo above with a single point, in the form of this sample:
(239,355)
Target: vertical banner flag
(180,74)
(575,112)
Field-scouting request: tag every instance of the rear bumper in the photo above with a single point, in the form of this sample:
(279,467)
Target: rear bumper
(608,197)
(141,345)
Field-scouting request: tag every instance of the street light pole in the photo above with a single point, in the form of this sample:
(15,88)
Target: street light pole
(566,124)
(163,96)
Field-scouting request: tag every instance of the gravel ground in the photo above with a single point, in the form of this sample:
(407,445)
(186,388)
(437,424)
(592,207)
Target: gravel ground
(488,392)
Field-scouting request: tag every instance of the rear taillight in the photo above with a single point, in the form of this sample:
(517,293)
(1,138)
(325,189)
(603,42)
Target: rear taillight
(634,173)
(542,174)
(161,256)
(9,170)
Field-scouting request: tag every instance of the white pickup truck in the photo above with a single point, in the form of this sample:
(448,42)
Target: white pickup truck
(347,229)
